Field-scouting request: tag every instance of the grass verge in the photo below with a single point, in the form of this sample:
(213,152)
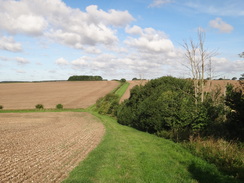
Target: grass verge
(120,92)
(128,155)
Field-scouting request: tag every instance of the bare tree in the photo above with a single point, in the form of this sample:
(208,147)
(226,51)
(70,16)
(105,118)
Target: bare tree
(198,57)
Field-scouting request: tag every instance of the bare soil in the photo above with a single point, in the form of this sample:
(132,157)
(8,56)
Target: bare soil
(45,147)
(77,94)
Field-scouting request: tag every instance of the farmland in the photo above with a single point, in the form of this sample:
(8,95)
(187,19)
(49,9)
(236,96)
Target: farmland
(78,94)
(45,147)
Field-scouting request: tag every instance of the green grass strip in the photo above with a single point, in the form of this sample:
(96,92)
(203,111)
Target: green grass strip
(122,89)
(126,155)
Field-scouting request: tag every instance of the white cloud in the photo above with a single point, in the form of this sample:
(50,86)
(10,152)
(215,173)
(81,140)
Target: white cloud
(21,60)
(20,71)
(8,43)
(61,61)
(225,66)
(159,3)
(112,17)
(222,26)
(65,25)
(150,40)
(135,30)
(92,50)
(17,17)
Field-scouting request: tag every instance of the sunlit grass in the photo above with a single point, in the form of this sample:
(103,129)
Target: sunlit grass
(128,155)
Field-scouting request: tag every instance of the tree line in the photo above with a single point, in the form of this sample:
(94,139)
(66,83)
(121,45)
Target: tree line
(85,78)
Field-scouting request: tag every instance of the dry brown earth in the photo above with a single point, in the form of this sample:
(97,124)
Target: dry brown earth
(45,147)
(211,85)
(78,94)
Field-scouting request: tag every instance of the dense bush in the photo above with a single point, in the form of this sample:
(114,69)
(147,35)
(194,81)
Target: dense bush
(235,118)
(108,104)
(123,80)
(39,106)
(166,106)
(85,78)
(59,106)
(1,107)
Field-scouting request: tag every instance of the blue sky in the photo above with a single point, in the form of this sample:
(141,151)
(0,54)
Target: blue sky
(54,39)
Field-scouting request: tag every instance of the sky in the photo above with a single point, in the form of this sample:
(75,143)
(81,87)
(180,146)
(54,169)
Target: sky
(55,39)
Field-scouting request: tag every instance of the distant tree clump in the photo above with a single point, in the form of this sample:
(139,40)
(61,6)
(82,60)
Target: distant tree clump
(85,78)
(123,80)
(59,106)
(39,106)
(241,55)
(242,77)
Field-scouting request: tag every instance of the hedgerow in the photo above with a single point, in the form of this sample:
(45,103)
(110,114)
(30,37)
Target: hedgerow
(166,107)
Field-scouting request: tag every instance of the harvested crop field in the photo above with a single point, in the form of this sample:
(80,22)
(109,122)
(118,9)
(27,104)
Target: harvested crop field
(77,94)
(45,147)
(210,85)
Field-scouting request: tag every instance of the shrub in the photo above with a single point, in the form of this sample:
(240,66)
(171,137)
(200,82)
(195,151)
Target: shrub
(39,106)
(164,104)
(123,80)
(1,107)
(235,118)
(59,106)
(108,104)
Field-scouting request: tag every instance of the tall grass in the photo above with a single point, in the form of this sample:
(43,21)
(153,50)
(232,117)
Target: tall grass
(228,156)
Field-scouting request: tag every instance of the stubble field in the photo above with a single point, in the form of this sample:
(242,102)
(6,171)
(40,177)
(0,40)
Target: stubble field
(45,147)
(78,94)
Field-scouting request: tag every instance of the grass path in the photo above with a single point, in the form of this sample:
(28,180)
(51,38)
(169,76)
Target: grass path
(127,155)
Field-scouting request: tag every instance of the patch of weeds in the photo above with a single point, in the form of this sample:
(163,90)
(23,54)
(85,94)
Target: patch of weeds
(59,106)
(228,156)
(39,106)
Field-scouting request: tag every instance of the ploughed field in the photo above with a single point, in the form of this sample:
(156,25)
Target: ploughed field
(45,147)
(76,94)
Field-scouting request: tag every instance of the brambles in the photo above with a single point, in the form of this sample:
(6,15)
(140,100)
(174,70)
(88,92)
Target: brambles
(108,104)
(59,106)
(39,106)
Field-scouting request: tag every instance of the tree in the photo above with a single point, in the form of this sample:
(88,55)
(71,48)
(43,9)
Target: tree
(234,78)
(242,77)
(198,57)
(241,55)
(123,80)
